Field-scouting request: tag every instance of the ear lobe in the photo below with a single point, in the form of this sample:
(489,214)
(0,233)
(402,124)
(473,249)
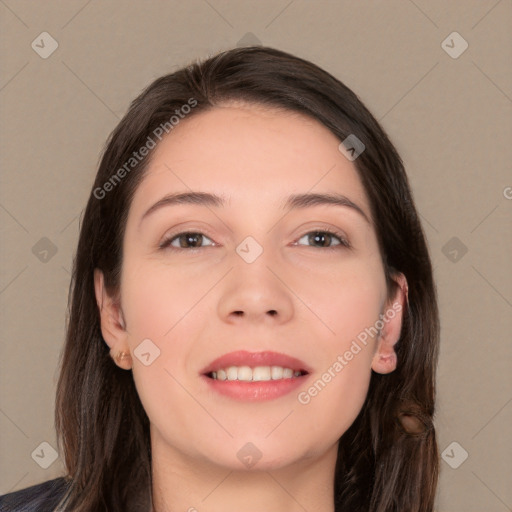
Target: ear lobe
(385,360)
(112,323)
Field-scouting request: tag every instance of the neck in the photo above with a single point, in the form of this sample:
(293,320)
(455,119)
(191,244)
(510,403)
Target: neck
(197,485)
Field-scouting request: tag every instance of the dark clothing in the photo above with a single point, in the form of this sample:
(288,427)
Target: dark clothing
(42,497)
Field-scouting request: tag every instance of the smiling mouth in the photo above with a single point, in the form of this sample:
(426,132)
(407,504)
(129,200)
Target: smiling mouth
(255,374)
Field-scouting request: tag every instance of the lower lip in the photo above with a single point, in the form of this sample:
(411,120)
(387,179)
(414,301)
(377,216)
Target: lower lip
(255,391)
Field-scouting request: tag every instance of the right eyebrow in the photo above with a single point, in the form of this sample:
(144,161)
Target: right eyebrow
(199,198)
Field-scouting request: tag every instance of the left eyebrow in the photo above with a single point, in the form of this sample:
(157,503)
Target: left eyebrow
(293,202)
(307,200)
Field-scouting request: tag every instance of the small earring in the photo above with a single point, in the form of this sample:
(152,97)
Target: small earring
(120,356)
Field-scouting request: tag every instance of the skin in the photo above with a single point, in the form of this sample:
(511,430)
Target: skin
(185,303)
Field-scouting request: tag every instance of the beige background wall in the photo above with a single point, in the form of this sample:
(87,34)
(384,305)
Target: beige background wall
(449,117)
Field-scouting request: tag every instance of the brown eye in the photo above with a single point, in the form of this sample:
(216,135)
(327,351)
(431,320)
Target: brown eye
(185,240)
(325,239)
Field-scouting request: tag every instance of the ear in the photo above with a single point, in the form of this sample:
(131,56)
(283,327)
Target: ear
(113,326)
(384,359)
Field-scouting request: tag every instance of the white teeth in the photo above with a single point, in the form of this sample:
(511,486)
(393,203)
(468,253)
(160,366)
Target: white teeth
(244,373)
(277,372)
(260,373)
(232,373)
(287,373)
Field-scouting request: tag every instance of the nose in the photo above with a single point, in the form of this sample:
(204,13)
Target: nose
(256,293)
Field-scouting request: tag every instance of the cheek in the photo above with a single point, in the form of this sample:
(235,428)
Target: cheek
(156,298)
(346,299)
(337,397)
(157,304)
(163,305)
(349,310)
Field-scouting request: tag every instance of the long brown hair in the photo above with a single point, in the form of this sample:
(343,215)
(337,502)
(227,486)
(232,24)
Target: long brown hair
(388,459)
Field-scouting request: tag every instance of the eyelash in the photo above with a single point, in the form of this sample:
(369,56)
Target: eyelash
(165,244)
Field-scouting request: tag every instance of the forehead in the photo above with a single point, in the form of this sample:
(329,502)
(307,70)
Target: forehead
(249,153)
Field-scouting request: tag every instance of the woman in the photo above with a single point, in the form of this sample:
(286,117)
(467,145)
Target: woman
(253,321)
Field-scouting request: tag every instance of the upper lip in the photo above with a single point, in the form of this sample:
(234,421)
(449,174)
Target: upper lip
(253,359)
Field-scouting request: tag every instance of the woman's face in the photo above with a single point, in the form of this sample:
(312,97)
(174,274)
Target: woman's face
(252,275)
